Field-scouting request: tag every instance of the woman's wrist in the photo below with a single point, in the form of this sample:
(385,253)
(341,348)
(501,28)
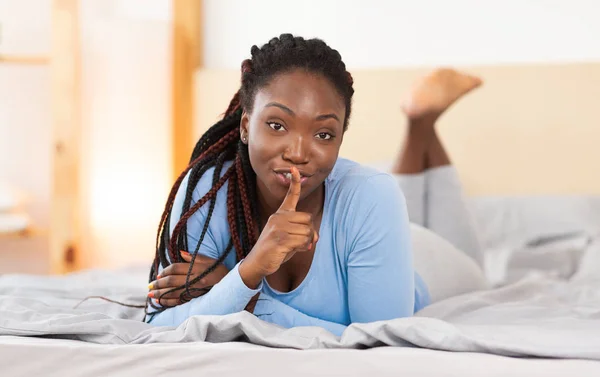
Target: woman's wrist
(250,275)
(252,303)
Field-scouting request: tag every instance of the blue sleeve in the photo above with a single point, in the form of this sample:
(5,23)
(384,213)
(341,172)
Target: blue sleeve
(380,269)
(274,311)
(380,272)
(230,295)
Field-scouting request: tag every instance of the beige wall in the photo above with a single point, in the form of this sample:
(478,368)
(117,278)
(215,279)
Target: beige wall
(531,129)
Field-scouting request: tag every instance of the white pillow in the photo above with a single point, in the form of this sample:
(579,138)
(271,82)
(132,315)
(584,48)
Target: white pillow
(13,222)
(8,198)
(513,222)
(446,270)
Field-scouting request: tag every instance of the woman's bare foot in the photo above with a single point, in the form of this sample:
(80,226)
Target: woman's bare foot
(434,93)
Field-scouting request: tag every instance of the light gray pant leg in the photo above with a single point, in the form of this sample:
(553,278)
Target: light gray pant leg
(447,256)
(446,271)
(413,186)
(447,213)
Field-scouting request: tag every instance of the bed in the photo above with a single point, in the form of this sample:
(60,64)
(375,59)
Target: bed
(542,323)
(58,357)
(540,216)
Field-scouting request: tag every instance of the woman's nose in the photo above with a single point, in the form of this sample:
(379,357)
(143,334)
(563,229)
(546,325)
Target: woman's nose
(296,151)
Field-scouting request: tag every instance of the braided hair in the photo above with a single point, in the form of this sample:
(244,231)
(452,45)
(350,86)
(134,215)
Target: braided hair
(222,143)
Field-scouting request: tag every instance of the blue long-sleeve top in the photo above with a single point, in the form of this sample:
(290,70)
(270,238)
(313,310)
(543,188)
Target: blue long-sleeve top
(362,269)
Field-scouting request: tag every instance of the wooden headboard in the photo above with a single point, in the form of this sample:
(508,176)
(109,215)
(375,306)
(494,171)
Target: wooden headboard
(530,129)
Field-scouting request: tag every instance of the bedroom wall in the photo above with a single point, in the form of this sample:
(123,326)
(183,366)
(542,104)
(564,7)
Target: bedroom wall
(529,130)
(393,33)
(127,136)
(126,103)
(537,100)
(126,169)
(25,127)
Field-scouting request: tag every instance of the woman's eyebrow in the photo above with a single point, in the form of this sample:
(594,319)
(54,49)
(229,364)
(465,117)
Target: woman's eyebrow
(282,107)
(291,112)
(328,116)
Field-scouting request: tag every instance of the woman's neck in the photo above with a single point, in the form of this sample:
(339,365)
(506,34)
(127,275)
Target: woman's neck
(312,204)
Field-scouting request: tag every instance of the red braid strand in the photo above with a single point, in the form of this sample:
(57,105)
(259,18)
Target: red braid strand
(231,219)
(252,229)
(211,194)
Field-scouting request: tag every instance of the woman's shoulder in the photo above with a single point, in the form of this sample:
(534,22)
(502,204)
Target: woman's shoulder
(199,189)
(205,183)
(217,237)
(349,178)
(365,203)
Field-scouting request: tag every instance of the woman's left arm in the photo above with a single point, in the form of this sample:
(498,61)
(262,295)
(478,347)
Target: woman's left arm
(266,308)
(381,278)
(274,311)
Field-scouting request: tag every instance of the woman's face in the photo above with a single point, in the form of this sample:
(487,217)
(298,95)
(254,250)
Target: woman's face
(297,120)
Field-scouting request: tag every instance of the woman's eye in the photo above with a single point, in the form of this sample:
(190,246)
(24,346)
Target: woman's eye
(276,126)
(324,135)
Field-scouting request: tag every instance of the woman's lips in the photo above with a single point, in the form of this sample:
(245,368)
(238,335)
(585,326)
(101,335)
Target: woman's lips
(286,178)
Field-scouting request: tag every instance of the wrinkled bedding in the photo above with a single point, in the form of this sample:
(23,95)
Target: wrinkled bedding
(545,303)
(539,315)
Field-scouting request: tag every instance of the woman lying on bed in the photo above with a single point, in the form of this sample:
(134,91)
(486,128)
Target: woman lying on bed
(276,224)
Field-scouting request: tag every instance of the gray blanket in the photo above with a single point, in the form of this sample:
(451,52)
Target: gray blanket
(536,316)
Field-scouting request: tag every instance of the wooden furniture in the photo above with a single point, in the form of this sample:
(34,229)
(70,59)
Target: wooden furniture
(27,233)
(187,58)
(24,59)
(64,63)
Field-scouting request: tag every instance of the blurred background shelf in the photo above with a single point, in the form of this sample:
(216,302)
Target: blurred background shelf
(24,59)
(29,233)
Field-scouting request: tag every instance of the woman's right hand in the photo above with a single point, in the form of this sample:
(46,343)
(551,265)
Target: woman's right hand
(286,233)
(176,275)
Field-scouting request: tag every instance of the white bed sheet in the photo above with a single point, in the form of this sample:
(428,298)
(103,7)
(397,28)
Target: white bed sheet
(51,357)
